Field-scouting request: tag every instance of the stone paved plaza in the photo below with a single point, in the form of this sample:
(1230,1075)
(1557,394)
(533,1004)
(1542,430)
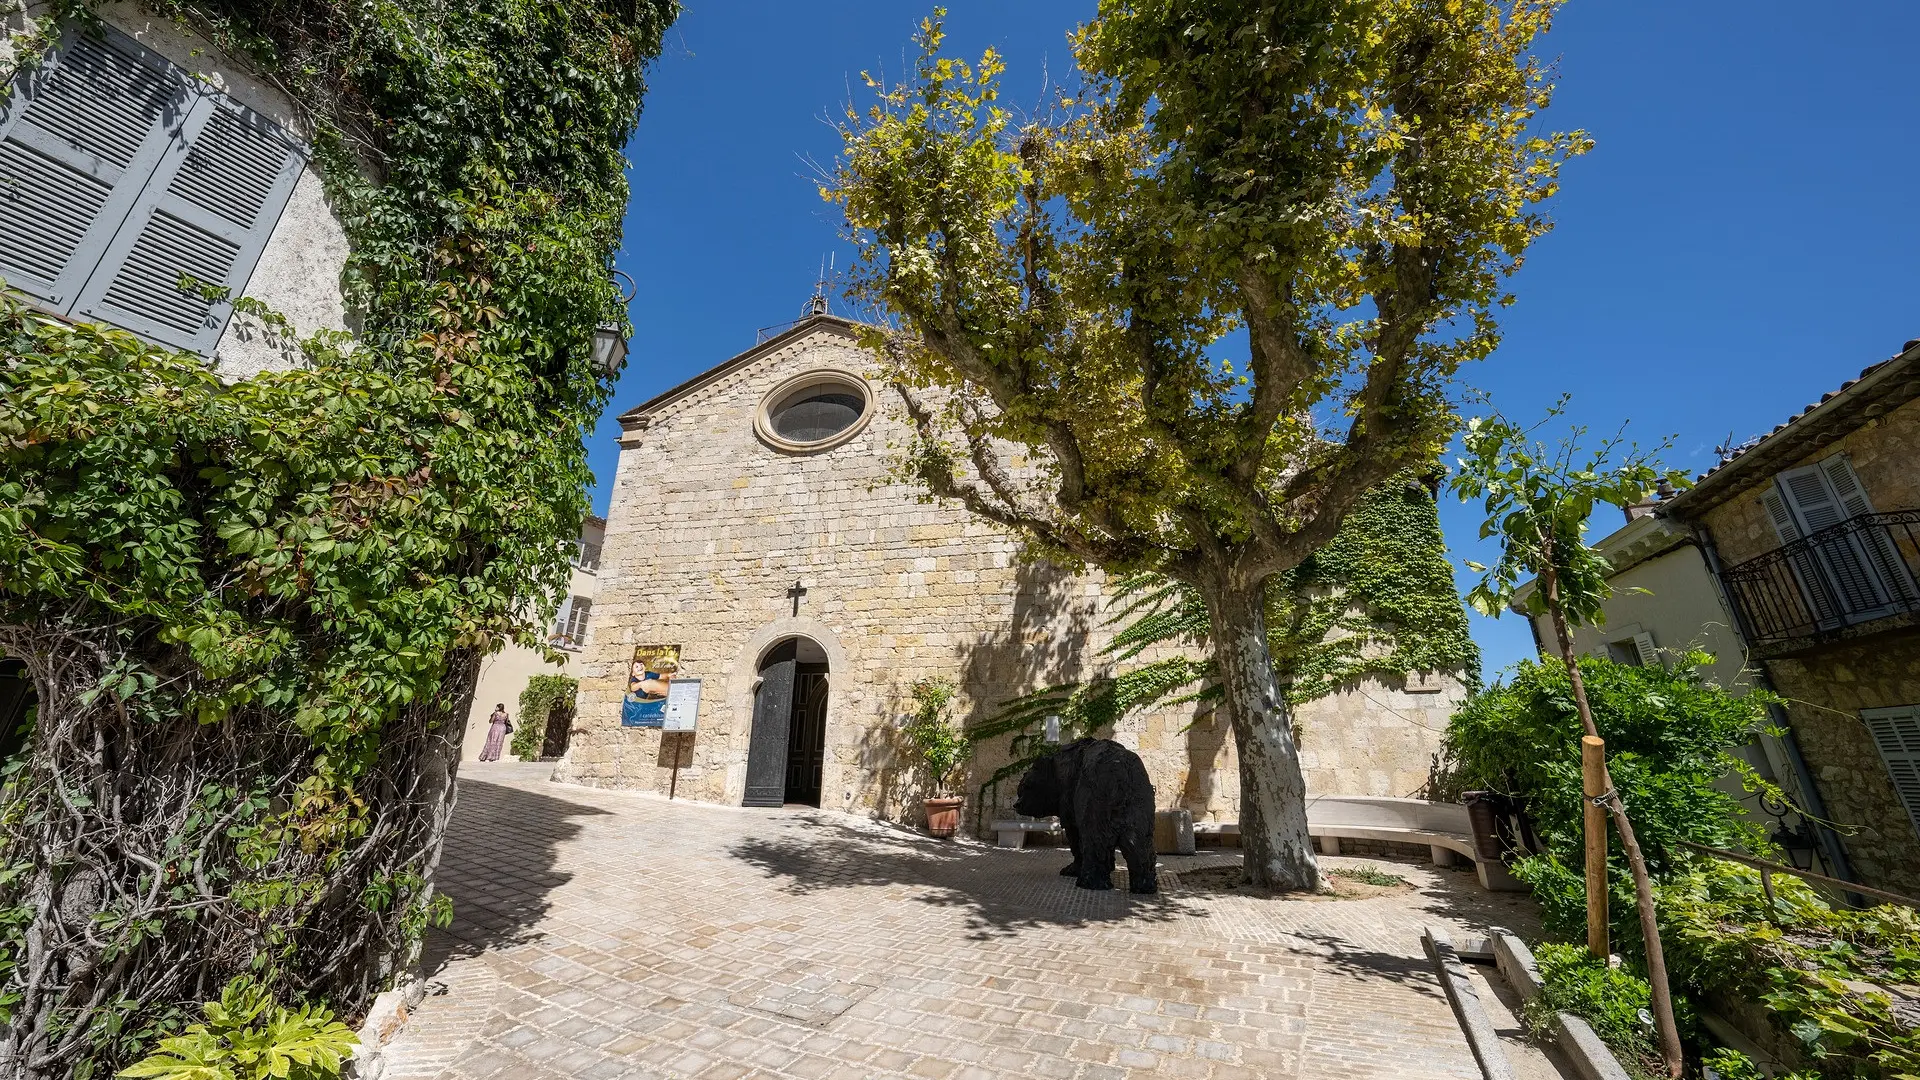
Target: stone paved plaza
(611,935)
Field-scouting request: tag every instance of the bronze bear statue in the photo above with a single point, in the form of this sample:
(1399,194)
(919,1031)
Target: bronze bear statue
(1100,791)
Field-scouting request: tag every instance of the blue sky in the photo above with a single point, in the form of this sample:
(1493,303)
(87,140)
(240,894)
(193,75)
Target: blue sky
(1744,237)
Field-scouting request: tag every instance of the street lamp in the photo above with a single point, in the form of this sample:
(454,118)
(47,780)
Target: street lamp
(609,341)
(609,348)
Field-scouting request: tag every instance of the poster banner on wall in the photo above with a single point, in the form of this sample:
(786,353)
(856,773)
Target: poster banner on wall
(649,682)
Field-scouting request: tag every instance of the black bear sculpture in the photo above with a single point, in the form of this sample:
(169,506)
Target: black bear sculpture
(1100,791)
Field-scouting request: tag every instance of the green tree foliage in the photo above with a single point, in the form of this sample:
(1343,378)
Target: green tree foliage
(253,612)
(1348,183)
(1378,599)
(544,694)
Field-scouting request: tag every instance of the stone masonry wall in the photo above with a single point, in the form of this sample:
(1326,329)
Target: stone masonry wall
(709,528)
(1825,693)
(1827,689)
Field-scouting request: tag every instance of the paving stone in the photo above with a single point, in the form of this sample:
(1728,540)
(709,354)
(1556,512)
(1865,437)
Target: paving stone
(617,936)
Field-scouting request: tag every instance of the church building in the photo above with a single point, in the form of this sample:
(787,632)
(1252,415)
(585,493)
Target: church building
(771,587)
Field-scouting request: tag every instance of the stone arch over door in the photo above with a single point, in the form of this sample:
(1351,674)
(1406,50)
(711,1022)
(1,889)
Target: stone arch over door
(740,699)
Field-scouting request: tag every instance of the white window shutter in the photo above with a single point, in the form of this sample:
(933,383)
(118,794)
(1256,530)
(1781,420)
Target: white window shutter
(1649,656)
(1781,516)
(79,139)
(560,618)
(207,213)
(1846,486)
(1812,500)
(1896,734)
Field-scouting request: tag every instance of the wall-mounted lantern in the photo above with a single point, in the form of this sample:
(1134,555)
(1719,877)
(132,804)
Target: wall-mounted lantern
(609,341)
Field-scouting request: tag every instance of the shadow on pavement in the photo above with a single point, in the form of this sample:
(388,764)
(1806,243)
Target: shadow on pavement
(1002,893)
(497,866)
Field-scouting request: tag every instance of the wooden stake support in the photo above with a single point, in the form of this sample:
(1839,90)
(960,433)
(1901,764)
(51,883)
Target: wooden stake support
(1593,772)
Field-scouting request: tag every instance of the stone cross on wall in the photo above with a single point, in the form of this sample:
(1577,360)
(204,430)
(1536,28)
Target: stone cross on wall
(797,592)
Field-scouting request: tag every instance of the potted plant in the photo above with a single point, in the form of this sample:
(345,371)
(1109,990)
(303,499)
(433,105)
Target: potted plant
(937,749)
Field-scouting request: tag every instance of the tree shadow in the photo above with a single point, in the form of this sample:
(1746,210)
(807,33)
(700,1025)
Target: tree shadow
(1002,893)
(498,868)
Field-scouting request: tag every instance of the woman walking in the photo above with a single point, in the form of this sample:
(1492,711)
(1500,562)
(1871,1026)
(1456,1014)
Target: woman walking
(497,733)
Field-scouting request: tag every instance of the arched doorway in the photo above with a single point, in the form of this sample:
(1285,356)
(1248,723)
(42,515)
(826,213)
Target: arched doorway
(787,750)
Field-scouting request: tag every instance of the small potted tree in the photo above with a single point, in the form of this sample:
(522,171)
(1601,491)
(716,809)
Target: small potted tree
(937,748)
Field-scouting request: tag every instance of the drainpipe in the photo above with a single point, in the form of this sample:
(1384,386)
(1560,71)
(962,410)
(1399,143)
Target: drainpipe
(1830,845)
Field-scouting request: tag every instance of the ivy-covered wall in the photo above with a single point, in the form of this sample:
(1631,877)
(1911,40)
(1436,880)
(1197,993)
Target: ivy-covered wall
(252,612)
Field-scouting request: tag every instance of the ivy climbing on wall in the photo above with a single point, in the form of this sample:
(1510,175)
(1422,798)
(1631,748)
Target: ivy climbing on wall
(544,696)
(1378,599)
(253,613)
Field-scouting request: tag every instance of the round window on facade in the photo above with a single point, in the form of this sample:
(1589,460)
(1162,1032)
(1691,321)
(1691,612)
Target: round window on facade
(814,411)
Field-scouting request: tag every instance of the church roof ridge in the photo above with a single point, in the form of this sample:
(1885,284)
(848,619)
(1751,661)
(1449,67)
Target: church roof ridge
(637,415)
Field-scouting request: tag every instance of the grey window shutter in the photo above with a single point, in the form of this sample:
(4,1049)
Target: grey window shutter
(207,213)
(1896,734)
(79,138)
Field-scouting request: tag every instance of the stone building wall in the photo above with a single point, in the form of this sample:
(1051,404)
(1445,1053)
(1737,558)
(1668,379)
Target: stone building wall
(1885,453)
(710,527)
(1827,687)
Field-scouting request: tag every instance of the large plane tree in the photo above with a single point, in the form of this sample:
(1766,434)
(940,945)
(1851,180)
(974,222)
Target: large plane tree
(1216,291)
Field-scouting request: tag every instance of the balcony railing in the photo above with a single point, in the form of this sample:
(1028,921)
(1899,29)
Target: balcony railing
(1820,585)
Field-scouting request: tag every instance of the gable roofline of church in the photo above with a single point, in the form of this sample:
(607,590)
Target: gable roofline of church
(639,415)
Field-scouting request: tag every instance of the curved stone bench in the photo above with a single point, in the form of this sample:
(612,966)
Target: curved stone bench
(1443,827)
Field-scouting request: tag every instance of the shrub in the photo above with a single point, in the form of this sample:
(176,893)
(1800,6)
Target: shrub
(544,694)
(937,745)
(249,1036)
(1613,1000)
(1667,733)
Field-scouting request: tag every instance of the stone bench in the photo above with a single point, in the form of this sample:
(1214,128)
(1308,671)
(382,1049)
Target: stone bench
(1012,831)
(1442,827)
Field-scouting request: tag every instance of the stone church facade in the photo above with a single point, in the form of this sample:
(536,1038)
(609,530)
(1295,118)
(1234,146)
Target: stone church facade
(758,525)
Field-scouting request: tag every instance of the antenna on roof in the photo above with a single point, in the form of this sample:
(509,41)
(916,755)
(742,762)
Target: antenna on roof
(817,304)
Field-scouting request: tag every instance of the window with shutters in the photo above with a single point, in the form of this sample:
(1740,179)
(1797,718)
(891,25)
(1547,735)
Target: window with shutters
(1848,574)
(1635,651)
(570,629)
(1896,735)
(120,175)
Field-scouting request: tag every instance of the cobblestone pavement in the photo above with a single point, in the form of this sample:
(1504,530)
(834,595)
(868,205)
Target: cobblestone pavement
(615,935)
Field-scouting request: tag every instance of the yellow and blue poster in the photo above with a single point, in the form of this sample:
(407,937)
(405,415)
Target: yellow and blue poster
(648,681)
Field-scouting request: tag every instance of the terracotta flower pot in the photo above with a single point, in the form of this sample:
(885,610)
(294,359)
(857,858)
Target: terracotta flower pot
(943,815)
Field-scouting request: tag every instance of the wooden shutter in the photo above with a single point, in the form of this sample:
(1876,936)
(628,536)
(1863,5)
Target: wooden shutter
(1824,495)
(207,213)
(1896,734)
(79,139)
(1649,656)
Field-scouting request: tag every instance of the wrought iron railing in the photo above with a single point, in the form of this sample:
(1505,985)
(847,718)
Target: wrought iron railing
(1862,569)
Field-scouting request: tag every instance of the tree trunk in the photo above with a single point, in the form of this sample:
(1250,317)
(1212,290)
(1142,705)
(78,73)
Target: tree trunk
(1273,793)
(1669,1031)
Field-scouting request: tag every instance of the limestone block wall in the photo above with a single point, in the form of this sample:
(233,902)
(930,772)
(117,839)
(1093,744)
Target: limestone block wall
(708,530)
(1825,693)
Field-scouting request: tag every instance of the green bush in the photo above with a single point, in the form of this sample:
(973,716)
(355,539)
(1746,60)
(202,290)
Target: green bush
(1668,733)
(249,1036)
(1613,1000)
(544,694)
(935,744)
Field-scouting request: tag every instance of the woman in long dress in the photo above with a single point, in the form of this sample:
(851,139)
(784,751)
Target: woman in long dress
(497,733)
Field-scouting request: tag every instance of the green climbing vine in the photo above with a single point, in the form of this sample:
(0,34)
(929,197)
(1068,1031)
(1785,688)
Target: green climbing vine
(543,695)
(1377,599)
(253,613)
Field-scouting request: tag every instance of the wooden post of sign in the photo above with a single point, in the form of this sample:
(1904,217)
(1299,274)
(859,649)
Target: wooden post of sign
(1593,772)
(679,746)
